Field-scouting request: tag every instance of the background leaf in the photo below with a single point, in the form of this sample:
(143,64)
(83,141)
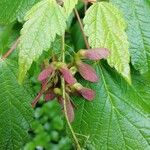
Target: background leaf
(48,129)
(69,6)
(5,33)
(8,35)
(77,37)
(105,27)
(15,109)
(118,118)
(137,15)
(11,9)
(44,21)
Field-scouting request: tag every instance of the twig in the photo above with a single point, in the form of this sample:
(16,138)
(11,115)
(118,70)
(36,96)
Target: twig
(39,94)
(11,49)
(82,30)
(64,98)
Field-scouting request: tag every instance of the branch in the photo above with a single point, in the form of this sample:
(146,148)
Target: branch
(64,98)
(11,49)
(81,27)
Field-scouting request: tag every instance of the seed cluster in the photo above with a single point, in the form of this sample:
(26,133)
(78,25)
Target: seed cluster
(50,79)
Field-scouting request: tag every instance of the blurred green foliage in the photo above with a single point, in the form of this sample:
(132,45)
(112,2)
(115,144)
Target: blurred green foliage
(48,130)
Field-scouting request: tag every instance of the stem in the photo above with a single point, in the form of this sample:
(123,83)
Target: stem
(53,56)
(63,49)
(39,94)
(85,7)
(64,98)
(11,49)
(81,27)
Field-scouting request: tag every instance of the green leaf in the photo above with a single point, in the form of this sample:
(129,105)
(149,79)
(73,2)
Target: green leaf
(137,15)
(77,37)
(142,86)
(105,27)
(5,33)
(44,21)
(11,9)
(8,35)
(118,118)
(15,109)
(69,6)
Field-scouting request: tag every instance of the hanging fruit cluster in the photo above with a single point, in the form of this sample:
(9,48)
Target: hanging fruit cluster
(50,79)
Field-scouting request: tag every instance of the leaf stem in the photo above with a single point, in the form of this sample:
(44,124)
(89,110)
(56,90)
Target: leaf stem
(85,7)
(11,49)
(81,27)
(64,98)
(63,48)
